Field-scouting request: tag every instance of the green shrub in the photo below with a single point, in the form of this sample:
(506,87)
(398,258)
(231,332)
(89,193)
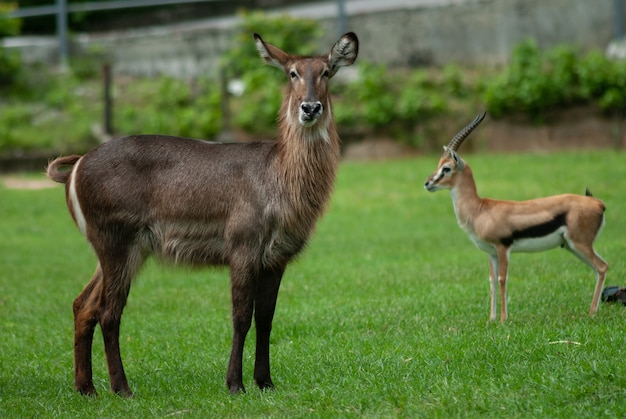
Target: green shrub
(537,80)
(175,109)
(10,119)
(9,61)
(394,103)
(369,101)
(603,80)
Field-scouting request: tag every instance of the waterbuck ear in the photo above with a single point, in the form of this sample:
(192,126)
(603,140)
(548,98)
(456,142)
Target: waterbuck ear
(270,54)
(460,164)
(343,53)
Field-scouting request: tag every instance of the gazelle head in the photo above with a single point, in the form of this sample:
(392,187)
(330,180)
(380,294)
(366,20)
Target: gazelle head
(307,99)
(451,163)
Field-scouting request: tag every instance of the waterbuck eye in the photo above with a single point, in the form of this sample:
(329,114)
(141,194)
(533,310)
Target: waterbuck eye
(326,73)
(293,74)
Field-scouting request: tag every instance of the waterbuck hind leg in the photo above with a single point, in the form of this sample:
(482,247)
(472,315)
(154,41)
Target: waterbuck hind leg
(86,315)
(243,281)
(264,307)
(120,259)
(114,296)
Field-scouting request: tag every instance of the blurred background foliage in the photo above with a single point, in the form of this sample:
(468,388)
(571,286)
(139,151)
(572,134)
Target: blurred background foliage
(50,112)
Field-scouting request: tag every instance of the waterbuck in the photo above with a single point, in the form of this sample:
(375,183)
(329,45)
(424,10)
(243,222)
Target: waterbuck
(251,207)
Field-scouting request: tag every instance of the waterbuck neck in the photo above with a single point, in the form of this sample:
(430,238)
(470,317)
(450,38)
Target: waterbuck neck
(307,159)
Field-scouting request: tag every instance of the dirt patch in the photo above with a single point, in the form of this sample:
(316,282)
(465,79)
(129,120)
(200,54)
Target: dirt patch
(580,128)
(10,182)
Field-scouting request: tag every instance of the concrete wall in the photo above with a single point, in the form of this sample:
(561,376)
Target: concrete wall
(393,32)
(480,31)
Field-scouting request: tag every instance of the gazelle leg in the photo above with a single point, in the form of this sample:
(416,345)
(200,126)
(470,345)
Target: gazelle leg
(503,267)
(493,286)
(587,254)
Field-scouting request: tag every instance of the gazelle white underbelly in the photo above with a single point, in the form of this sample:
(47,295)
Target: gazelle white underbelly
(538,244)
(534,244)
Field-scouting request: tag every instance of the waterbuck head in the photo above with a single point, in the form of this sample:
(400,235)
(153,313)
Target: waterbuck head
(450,162)
(307,101)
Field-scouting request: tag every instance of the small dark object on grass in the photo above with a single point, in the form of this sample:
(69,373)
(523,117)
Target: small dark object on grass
(614,294)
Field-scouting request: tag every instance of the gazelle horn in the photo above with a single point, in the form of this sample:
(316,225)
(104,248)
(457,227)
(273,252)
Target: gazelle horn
(462,135)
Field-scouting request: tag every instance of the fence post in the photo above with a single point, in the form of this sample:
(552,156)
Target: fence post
(618,7)
(226,134)
(62,33)
(341,4)
(108,100)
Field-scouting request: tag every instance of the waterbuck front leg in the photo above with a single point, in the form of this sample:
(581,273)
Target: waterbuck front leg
(264,307)
(243,283)
(86,315)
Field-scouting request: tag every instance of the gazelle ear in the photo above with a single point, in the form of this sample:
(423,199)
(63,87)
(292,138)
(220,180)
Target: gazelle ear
(460,164)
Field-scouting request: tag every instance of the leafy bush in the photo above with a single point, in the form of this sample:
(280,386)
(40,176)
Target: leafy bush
(603,80)
(9,61)
(370,101)
(391,102)
(537,80)
(175,108)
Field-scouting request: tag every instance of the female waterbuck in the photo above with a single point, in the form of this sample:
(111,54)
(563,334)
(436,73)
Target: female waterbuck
(249,206)
(501,227)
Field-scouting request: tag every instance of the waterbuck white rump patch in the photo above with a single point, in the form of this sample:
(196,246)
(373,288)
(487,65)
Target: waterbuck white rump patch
(77,211)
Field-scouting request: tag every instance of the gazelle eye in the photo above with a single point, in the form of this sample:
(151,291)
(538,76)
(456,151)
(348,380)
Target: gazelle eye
(445,170)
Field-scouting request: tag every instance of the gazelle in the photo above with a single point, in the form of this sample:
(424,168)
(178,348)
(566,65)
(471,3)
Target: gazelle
(500,228)
(250,206)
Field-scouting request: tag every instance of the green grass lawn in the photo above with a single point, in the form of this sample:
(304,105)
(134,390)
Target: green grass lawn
(384,314)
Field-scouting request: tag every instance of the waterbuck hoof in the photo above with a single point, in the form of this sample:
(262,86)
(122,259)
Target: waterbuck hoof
(126,393)
(265,384)
(236,389)
(86,390)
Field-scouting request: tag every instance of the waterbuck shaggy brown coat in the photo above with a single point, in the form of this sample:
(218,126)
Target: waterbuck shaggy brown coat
(249,206)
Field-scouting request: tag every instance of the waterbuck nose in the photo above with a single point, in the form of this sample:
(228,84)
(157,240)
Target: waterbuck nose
(311,108)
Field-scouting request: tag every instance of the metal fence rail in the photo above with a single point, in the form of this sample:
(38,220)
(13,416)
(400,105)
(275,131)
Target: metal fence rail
(61,9)
(93,6)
